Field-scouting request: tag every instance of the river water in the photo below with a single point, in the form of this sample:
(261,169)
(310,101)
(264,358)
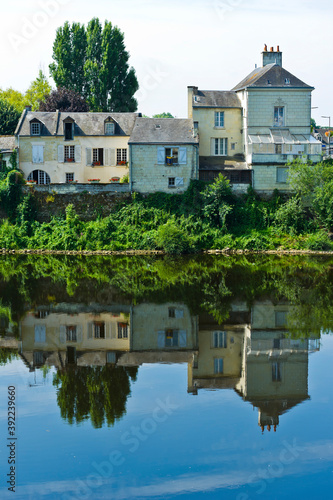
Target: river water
(161,378)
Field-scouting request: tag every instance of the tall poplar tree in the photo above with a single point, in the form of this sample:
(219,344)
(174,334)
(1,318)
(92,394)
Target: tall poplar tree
(94,63)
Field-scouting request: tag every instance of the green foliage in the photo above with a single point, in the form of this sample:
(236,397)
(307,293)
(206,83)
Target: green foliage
(93,61)
(9,117)
(217,199)
(124,179)
(319,241)
(290,217)
(38,91)
(14,98)
(163,115)
(11,192)
(172,239)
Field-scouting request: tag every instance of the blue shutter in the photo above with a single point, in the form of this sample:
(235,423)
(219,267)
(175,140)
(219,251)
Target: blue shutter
(182,156)
(160,155)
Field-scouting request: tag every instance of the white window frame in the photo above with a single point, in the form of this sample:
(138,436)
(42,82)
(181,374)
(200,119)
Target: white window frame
(96,156)
(219,340)
(218,366)
(71,333)
(122,330)
(279,116)
(69,153)
(220,146)
(109,128)
(219,119)
(35,128)
(171,156)
(69,177)
(121,155)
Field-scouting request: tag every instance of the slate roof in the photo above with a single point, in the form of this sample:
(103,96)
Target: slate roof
(271,75)
(163,131)
(216,99)
(85,124)
(7,143)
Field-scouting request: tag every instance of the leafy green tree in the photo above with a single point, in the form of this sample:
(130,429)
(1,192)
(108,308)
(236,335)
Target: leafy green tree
(14,98)
(217,201)
(94,63)
(9,117)
(38,91)
(163,115)
(64,100)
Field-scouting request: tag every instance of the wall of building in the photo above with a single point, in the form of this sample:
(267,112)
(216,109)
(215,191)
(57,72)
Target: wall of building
(231,130)
(82,171)
(265,179)
(148,176)
(260,110)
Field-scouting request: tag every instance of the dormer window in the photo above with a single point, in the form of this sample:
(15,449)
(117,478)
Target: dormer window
(35,128)
(287,81)
(109,127)
(69,129)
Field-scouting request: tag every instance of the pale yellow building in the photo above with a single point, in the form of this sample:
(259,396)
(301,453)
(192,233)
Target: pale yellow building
(63,147)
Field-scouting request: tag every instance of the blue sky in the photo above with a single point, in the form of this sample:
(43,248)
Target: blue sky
(212,44)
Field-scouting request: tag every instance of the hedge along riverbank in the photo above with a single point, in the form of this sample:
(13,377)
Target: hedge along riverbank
(205,217)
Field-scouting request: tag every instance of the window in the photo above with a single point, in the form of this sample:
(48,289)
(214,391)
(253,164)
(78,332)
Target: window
(121,156)
(69,177)
(40,334)
(278,149)
(219,340)
(287,81)
(109,128)
(122,330)
(171,156)
(39,176)
(219,119)
(37,153)
(276,372)
(220,147)
(276,344)
(69,131)
(278,117)
(282,174)
(175,313)
(171,182)
(171,338)
(69,153)
(98,156)
(98,328)
(233,146)
(41,314)
(71,333)
(218,365)
(35,128)
(281,318)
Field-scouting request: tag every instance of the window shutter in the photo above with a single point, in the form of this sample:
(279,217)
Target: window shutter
(40,334)
(62,334)
(225,147)
(61,152)
(79,333)
(179,313)
(112,157)
(182,156)
(182,338)
(161,155)
(78,154)
(90,330)
(212,147)
(88,156)
(161,339)
(106,156)
(108,330)
(35,156)
(179,181)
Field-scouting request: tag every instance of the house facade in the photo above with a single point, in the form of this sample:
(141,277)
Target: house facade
(217,116)
(57,147)
(250,133)
(164,155)
(7,146)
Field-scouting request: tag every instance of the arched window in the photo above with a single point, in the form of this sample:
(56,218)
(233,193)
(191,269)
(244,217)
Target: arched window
(39,176)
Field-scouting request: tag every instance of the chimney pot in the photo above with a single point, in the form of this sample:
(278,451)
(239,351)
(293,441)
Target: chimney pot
(272,49)
(265,48)
(278,48)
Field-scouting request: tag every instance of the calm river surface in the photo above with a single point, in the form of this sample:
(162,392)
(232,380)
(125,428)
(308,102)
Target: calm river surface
(162,378)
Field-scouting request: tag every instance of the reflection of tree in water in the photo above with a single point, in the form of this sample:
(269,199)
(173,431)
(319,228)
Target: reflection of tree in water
(100,392)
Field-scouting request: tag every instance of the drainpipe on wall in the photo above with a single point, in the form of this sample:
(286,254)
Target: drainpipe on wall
(130,167)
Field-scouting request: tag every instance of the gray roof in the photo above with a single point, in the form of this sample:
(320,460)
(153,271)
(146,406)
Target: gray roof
(163,131)
(271,75)
(7,142)
(85,124)
(216,99)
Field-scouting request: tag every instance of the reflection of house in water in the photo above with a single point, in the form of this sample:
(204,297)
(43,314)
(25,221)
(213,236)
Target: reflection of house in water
(162,333)
(75,334)
(274,366)
(220,347)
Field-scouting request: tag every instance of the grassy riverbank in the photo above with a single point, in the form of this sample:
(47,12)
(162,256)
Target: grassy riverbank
(207,216)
